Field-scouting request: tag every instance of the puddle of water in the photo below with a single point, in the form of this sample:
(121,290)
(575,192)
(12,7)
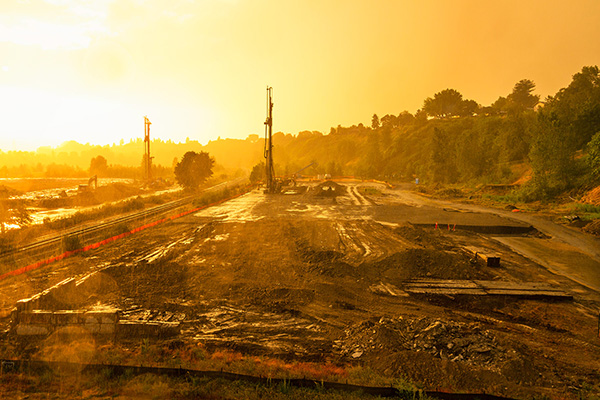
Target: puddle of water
(218,238)
(239,209)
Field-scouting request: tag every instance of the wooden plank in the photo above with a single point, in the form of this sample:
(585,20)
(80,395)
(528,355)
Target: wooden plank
(514,285)
(442,283)
(483,288)
(446,291)
(529,293)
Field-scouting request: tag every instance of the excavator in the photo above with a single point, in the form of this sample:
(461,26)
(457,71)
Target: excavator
(86,188)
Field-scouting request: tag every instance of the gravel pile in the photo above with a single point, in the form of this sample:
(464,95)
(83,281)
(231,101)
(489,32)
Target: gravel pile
(454,341)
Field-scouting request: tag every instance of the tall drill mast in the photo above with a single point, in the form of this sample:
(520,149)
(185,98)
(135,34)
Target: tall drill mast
(270,171)
(147,157)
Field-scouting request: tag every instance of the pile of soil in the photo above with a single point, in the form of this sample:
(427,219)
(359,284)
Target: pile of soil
(593,227)
(427,263)
(448,340)
(6,192)
(112,192)
(329,189)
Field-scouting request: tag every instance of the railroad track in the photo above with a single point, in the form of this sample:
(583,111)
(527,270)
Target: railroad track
(85,233)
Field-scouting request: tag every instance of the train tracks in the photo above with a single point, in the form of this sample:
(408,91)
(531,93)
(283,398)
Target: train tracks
(88,233)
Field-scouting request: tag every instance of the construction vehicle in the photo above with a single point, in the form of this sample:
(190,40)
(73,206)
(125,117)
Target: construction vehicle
(86,188)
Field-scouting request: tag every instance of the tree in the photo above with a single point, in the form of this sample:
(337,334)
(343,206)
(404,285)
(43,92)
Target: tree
(375,122)
(442,157)
(552,157)
(258,173)
(521,98)
(469,107)
(389,122)
(421,117)
(98,166)
(593,156)
(577,106)
(499,106)
(13,212)
(193,169)
(405,118)
(447,103)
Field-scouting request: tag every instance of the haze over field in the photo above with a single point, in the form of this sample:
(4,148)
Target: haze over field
(90,71)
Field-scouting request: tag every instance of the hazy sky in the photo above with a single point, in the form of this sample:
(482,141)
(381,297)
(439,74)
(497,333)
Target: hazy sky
(89,70)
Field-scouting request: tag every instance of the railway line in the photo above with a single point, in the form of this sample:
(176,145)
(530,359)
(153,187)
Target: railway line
(49,245)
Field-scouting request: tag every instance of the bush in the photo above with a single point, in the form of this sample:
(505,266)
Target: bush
(71,242)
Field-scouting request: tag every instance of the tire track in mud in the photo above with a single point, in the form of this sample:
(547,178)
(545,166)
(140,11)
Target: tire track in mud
(368,239)
(355,200)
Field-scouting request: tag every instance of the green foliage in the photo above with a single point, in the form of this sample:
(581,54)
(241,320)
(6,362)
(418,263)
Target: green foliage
(593,157)
(375,122)
(258,173)
(71,242)
(552,158)
(521,97)
(193,169)
(119,229)
(13,212)
(586,211)
(98,166)
(577,107)
(134,204)
(449,103)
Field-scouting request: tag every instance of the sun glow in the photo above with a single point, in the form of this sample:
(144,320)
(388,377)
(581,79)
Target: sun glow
(46,35)
(200,67)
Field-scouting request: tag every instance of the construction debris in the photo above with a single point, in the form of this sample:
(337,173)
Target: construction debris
(448,340)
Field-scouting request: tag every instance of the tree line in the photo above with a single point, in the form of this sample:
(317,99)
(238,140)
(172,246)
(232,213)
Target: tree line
(449,140)
(456,140)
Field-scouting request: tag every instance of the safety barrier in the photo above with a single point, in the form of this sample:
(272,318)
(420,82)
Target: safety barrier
(70,253)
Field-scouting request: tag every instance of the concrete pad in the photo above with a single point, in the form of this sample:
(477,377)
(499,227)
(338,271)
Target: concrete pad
(101,317)
(68,317)
(42,317)
(32,330)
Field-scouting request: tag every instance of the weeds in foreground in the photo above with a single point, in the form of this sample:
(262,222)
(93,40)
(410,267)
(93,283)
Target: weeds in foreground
(71,242)
(149,386)
(589,211)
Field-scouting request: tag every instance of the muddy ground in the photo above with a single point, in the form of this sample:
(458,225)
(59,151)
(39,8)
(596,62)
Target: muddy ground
(317,275)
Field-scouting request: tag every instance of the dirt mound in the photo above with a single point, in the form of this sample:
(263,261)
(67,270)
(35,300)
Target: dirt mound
(450,193)
(593,227)
(111,192)
(426,263)
(592,197)
(329,189)
(417,235)
(6,192)
(448,340)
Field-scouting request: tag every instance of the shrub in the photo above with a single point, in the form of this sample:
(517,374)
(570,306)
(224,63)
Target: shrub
(71,242)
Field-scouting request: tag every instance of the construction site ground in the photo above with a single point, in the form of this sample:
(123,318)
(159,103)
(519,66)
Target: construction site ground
(319,274)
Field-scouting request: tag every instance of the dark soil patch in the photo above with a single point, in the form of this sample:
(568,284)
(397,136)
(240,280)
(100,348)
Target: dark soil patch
(426,263)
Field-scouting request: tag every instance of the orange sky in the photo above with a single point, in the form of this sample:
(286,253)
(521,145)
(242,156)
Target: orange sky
(90,70)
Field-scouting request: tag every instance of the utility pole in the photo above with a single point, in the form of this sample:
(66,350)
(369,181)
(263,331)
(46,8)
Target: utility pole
(148,159)
(270,172)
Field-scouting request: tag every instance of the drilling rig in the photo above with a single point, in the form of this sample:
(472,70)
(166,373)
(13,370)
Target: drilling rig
(270,171)
(147,158)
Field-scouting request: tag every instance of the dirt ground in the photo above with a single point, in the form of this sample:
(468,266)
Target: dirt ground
(317,275)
